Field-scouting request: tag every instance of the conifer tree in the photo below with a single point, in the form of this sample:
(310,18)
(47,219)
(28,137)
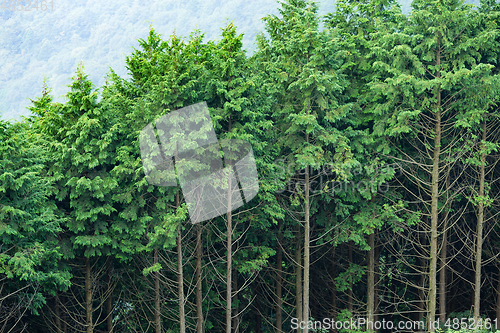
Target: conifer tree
(29,224)
(308,116)
(433,71)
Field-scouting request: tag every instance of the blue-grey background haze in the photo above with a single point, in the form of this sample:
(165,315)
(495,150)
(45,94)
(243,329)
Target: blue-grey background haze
(35,45)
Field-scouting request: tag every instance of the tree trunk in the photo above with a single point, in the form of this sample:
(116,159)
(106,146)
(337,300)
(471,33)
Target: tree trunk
(157,295)
(58,313)
(431,308)
(349,292)
(334,287)
(498,297)
(180,274)
(370,304)
(279,278)
(109,302)
(442,275)
(479,231)
(444,254)
(229,262)
(376,280)
(421,292)
(306,247)
(64,316)
(235,315)
(88,296)
(199,296)
(298,280)
(180,281)
(258,306)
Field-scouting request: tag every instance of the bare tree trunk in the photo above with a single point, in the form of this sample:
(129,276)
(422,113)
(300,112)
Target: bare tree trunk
(349,292)
(279,278)
(376,279)
(479,231)
(88,296)
(235,315)
(444,254)
(229,263)
(229,248)
(421,292)
(298,280)
(180,281)
(306,247)
(109,302)
(180,274)
(64,316)
(334,288)
(498,297)
(157,295)
(442,275)
(258,306)
(370,304)
(199,296)
(58,313)
(431,308)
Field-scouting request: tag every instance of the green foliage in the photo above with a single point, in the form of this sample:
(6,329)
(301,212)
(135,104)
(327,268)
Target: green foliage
(348,103)
(29,223)
(351,276)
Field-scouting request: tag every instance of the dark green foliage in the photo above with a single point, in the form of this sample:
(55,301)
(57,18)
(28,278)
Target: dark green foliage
(29,226)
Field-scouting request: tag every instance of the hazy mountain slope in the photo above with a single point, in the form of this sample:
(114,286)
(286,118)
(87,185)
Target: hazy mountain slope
(34,45)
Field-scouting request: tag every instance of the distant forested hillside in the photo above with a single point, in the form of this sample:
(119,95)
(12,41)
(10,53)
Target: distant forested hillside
(34,45)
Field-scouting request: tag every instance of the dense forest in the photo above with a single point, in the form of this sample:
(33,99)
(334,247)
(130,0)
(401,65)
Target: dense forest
(375,135)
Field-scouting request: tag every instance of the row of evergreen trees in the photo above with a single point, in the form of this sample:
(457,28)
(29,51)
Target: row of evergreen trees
(376,141)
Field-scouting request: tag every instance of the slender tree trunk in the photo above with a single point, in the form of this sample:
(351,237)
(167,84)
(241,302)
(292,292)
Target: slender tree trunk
(157,295)
(229,263)
(199,296)
(64,316)
(334,287)
(109,311)
(235,315)
(349,292)
(370,304)
(376,279)
(298,280)
(307,257)
(421,292)
(58,313)
(258,307)
(442,274)
(279,279)
(180,281)
(498,298)
(109,301)
(88,296)
(229,247)
(180,274)
(431,308)
(443,268)
(479,231)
